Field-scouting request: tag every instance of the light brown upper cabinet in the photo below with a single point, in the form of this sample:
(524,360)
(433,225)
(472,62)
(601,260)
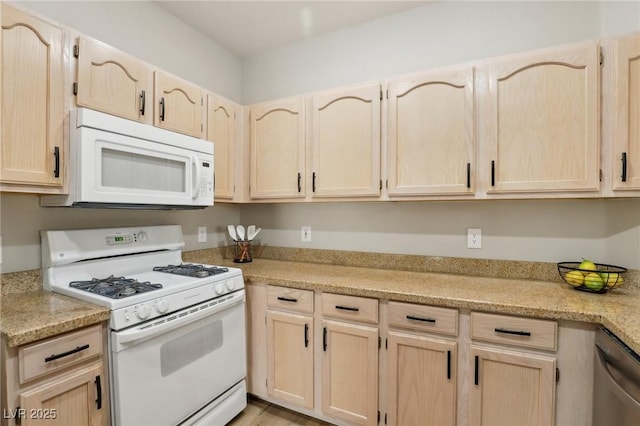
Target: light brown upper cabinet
(277,151)
(346,142)
(32,158)
(179,105)
(112,81)
(626,140)
(542,113)
(221,130)
(431,134)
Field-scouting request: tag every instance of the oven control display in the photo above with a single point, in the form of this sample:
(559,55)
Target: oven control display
(120,239)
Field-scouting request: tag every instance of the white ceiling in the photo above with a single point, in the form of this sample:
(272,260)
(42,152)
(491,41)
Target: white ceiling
(246,27)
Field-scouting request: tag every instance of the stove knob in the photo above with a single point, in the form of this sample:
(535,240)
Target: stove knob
(230,285)
(143,312)
(219,288)
(142,237)
(162,306)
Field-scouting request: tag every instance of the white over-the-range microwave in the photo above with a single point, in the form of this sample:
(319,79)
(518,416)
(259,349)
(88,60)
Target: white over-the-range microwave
(119,163)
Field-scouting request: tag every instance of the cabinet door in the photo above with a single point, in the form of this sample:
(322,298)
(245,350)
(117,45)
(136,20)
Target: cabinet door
(290,357)
(178,105)
(422,380)
(112,81)
(32,100)
(277,149)
(626,139)
(511,388)
(221,130)
(346,143)
(542,121)
(77,398)
(431,134)
(350,372)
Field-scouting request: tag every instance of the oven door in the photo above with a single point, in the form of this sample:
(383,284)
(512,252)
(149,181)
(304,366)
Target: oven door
(166,369)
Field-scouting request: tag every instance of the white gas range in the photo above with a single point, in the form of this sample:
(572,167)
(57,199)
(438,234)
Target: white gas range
(177,340)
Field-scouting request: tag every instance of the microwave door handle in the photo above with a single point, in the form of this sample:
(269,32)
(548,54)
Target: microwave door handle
(196,177)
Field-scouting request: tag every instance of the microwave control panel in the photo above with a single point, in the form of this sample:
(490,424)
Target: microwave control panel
(206,183)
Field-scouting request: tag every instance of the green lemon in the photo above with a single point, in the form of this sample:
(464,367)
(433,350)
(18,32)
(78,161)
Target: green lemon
(593,281)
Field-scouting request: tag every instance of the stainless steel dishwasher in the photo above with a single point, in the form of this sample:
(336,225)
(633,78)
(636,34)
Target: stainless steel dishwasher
(616,395)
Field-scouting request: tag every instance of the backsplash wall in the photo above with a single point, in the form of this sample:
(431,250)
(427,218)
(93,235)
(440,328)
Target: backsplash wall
(22,218)
(607,231)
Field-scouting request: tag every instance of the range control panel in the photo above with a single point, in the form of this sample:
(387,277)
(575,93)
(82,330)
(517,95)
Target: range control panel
(129,238)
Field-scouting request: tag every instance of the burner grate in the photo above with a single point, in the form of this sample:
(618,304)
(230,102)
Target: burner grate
(115,287)
(191,270)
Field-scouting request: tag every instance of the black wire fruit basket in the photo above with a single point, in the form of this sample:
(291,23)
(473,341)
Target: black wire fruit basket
(601,279)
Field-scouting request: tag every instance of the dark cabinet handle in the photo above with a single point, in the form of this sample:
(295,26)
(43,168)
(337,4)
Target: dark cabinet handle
(468,175)
(517,333)
(448,365)
(288,299)
(56,160)
(313,182)
(624,166)
(62,355)
(143,101)
(493,173)
(347,308)
(99,393)
(324,339)
(299,182)
(476,373)
(306,335)
(411,317)
(161,109)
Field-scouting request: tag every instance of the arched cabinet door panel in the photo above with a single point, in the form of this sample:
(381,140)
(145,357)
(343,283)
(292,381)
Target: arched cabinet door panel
(112,81)
(346,142)
(277,151)
(542,114)
(431,128)
(32,102)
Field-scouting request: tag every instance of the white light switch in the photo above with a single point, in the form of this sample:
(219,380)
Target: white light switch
(202,234)
(305,234)
(474,238)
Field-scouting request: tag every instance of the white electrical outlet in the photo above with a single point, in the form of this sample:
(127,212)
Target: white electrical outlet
(474,238)
(202,234)
(305,234)
(0,249)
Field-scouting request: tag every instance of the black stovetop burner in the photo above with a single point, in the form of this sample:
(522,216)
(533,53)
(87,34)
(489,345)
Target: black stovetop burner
(115,287)
(191,270)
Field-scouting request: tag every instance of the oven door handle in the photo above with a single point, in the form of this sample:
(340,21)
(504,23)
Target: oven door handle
(134,335)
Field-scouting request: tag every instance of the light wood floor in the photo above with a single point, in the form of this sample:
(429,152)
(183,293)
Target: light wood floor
(260,413)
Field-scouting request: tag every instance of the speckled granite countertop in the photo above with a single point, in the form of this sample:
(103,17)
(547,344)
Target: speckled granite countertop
(34,315)
(28,314)
(616,310)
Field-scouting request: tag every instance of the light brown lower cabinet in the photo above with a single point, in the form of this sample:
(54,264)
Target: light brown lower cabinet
(73,399)
(511,388)
(290,357)
(350,372)
(422,380)
(61,380)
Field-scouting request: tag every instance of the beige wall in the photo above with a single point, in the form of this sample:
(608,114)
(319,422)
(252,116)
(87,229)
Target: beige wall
(438,34)
(607,231)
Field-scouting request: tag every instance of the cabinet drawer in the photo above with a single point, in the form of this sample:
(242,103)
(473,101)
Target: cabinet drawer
(56,353)
(290,299)
(424,318)
(526,332)
(350,307)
